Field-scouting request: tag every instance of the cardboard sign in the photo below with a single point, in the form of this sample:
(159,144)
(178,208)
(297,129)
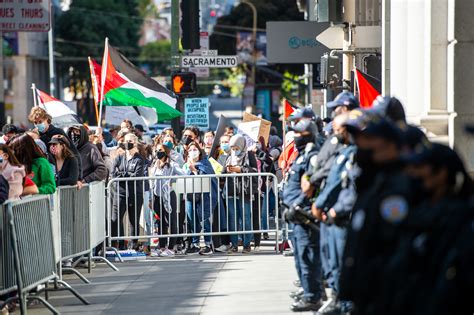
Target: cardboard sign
(219,133)
(25,16)
(265,126)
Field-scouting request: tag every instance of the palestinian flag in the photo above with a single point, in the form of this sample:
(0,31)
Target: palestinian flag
(62,115)
(289,109)
(369,88)
(95,70)
(123,84)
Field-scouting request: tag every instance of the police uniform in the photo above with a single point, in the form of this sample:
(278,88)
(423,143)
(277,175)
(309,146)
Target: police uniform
(333,194)
(305,241)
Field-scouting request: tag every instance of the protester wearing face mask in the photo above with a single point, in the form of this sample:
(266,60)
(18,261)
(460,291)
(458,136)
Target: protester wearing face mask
(190,134)
(164,201)
(128,195)
(66,165)
(225,149)
(199,205)
(239,208)
(12,171)
(92,164)
(170,142)
(36,166)
(42,121)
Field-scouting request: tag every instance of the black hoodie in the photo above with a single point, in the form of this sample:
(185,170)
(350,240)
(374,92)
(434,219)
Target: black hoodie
(93,165)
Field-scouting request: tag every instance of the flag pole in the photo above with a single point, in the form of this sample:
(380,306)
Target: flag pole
(284,124)
(102,79)
(35,99)
(94,83)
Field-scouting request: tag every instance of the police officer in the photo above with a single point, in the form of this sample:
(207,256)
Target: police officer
(425,267)
(305,241)
(384,201)
(333,207)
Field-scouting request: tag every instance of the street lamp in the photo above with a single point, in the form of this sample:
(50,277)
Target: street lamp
(254,39)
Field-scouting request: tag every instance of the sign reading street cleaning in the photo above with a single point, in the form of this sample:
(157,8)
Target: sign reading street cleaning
(209,61)
(196,112)
(25,16)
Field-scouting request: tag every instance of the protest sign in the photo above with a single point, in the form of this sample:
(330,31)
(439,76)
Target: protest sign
(196,112)
(265,126)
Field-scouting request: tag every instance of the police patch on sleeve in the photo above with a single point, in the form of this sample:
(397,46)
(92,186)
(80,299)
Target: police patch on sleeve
(394,209)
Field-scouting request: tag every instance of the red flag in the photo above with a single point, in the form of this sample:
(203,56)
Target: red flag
(369,88)
(288,109)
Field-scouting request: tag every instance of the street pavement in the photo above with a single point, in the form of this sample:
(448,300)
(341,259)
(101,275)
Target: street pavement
(256,283)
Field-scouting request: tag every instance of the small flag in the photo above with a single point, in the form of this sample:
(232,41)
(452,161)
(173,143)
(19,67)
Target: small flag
(95,78)
(289,109)
(369,88)
(62,115)
(123,84)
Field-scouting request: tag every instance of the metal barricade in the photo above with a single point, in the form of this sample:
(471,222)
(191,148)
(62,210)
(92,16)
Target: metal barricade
(32,246)
(7,268)
(191,206)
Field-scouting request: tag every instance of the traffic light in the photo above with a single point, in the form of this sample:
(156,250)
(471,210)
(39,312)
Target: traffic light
(190,24)
(183,83)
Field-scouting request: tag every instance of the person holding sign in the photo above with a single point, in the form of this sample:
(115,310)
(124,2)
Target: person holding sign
(239,208)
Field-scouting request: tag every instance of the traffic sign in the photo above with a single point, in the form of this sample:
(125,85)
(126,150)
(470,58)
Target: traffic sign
(209,61)
(362,37)
(332,37)
(25,16)
(204,42)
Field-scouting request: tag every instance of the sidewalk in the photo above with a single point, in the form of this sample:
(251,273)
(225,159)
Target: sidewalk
(257,283)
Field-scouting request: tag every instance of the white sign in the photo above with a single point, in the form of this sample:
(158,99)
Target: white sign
(209,53)
(250,130)
(210,61)
(25,16)
(196,112)
(363,37)
(332,38)
(204,43)
(114,115)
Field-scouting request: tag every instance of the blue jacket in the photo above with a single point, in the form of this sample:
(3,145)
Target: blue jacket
(292,194)
(338,174)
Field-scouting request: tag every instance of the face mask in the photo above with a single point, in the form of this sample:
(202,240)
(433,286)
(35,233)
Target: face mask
(129,146)
(301,142)
(41,127)
(209,141)
(53,150)
(225,147)
(236,152)
(169,144)
(160,155)
(187,140)
(363,158)
(75,138)
(194,155)
(2,162)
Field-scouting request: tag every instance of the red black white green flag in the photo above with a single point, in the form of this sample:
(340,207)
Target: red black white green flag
(368,88)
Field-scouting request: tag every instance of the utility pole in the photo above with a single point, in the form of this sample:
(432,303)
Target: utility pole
(308,67)
(175,66)
(347,57)
(52,71)
(2,86)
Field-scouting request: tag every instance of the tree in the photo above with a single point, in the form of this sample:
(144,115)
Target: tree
(156,56)
(80,32)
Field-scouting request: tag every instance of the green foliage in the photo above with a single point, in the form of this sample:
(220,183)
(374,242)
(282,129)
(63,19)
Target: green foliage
(156,56)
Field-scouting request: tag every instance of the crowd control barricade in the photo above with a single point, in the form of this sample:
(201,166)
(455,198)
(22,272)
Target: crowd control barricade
(7,267)
(191,206)
(82,224)
(32,247)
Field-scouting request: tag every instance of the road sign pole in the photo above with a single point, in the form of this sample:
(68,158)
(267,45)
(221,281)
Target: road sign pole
(2,85)
(52,75)
(347,58)
(175,123)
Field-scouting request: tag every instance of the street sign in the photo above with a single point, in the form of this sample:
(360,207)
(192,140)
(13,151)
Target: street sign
(25,16)
(362,37)
(209,61)
(294,42)
(204,42)
(196,112)
(332,38)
